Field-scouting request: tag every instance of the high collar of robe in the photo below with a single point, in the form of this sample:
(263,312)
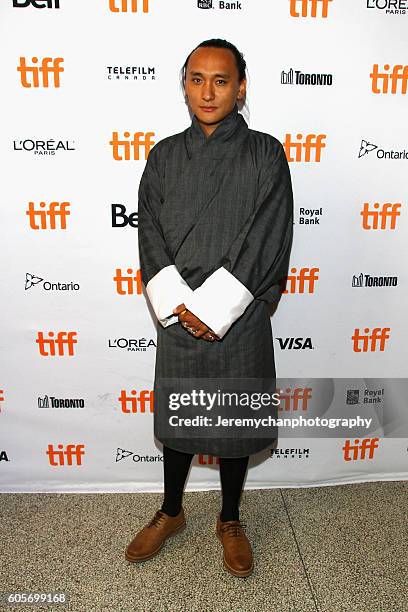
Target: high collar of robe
(222,142)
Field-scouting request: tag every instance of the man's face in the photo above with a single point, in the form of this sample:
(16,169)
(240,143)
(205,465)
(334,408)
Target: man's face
(212,86)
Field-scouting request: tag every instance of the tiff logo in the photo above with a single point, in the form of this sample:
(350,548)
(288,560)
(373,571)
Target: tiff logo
(58,346)
(299,282)
(207,459)
(129,403)
(380,81)
(126,285)
(30,75)
(358,450)
(312,142)
(60,457)
(309,8)
(293,399)
(47,218)
(365,342)
(131,146)
(128,6)
(384,217)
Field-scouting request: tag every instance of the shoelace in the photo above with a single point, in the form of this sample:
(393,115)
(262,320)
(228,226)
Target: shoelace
(234,528)
(156,519)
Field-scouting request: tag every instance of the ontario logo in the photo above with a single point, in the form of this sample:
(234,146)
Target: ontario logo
(31,281)
(367,147)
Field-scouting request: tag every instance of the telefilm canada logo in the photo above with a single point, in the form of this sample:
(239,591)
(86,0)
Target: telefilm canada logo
(130,73)
(366,280)
(50,401)
(389,7)
(43,147)
(31,280)
(296,77)
(367,147)
(290,453)
(132,344)
(212,4)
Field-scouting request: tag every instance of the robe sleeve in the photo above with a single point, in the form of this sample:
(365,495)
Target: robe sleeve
(165,286)
(257,258)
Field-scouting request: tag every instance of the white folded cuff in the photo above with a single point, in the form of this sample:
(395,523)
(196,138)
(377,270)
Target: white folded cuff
(166,290)
(219,301)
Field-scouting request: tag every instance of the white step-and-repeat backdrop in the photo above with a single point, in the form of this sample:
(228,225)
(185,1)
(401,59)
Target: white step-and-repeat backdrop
(87,89)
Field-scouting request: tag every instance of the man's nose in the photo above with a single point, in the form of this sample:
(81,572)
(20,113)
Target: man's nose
(207,91)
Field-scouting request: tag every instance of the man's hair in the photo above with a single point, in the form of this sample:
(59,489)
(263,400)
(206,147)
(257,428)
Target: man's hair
(220,43)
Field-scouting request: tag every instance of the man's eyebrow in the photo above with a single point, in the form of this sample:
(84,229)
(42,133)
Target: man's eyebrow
(219,74)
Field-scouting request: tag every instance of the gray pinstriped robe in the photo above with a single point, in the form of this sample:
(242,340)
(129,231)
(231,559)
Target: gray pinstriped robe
(219,203)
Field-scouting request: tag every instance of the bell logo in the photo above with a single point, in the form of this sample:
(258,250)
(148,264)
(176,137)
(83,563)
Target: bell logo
(60,457)
(62,345)
(47,218)
(30,75)
(364,342)
(398,77)
(129,404)
(127,5)
(357,451)
(207,459)
(291,399)
(130,147)
(298,282)
(309,8)
(312,142)
(126,285)
(39,4)
(381,218)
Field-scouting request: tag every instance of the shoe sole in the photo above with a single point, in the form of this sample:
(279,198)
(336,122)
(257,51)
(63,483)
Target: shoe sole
(239,573)
(154,553)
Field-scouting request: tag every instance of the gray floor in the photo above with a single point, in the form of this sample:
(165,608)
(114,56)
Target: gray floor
(327,549)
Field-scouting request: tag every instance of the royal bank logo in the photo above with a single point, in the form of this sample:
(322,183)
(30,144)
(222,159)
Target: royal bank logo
(31,280)
(389,7)
(369,396)
(353,397)
(366,280)
(132,344)
(310,216)
(130,73)
(50,401)
(121,454)
(367,147)
(296,77)
(212,4)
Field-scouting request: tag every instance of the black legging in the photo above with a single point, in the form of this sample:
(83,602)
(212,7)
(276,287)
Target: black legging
(176,465)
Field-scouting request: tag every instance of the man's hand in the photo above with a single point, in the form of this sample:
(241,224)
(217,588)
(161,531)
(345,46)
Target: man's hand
(194,325)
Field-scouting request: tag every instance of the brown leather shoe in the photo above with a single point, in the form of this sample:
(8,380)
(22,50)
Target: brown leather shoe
(150,539)
(238,559)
